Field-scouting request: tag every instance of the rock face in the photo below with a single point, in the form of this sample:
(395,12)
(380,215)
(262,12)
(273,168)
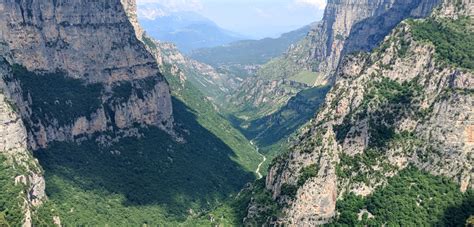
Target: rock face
(402,102)
(14,146)
(130,7)
(264,97)
(95,44)
(349,26)
(71,69)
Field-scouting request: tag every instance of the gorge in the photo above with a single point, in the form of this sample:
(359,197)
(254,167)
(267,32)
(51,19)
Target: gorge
(365,120)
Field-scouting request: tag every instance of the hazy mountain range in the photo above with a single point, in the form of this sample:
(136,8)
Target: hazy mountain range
(188,30)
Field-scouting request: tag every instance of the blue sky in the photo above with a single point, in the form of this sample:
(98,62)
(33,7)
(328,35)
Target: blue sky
(253,18)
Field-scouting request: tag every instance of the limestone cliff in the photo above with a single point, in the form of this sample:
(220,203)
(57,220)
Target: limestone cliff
(14,147)
(347,26)
(70,69)
(404,104)
(93,46)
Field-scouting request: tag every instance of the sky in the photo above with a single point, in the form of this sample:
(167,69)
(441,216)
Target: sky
(252,18)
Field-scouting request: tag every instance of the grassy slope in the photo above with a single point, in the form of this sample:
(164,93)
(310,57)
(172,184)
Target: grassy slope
(305,77)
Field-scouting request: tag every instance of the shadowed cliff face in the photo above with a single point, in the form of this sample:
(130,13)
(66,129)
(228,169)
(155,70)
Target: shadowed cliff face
(153,174)
(71,69)
(350,26)
(368,33)
(99,116)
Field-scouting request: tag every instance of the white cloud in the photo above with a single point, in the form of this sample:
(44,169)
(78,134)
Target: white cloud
(318,4)
(176,5)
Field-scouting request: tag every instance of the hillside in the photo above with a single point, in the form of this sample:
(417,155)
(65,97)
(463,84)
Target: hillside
(249,52)
(111,141)
(367,120)
(313,60)
(394,132)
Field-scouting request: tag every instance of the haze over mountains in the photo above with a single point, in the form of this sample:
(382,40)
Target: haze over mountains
(187,29)
(248,52)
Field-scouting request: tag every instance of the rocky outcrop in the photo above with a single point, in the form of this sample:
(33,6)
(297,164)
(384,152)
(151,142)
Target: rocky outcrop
(91,43)
(455,8)
(403,102)
(349,26)
(130,7)
(87,39)
(14,146)
(263,97)
(212,83)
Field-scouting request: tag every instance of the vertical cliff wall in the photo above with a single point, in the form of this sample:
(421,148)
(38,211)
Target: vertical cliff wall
(70,69)
(87,46)
(349,26)
(24,170)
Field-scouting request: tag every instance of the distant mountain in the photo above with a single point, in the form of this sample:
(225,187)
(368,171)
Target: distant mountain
(248,52)
(188,30)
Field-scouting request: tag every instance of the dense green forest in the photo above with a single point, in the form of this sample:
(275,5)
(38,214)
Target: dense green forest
(412,198)
(154,179)
(10,194)
(452,39)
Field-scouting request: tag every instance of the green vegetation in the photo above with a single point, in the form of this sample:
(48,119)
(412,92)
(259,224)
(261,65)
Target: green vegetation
(412,198)
(391,100)
(289,190)
(149,42)
(453,39)
(249,52)
(232,212)
(243,108)
(55,96)
(270,129)
(209,118)
(279,68)
(11,212)
(307,173)
(305,77)
(153,180)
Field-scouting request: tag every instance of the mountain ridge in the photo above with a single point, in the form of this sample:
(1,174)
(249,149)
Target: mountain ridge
(389,111)
(188,30)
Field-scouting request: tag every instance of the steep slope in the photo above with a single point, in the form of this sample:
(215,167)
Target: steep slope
(214,84)
(22,182)
(99,116)
(187,79)
(85,50)
(347,26)
(350,26)
(312,61)
(393,118)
